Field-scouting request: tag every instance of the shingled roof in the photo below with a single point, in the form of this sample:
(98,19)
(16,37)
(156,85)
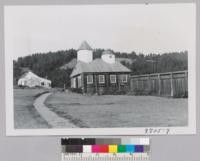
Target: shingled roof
(98,66)
(84,46)
(32,75)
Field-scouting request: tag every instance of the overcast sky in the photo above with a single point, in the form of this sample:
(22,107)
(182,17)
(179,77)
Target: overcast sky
(142,28)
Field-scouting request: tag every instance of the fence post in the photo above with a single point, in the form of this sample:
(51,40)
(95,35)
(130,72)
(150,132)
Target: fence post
(149,84)
(159,85)
(185,82)
(172,85)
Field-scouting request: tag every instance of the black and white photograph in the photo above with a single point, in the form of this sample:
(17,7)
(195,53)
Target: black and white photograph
(100,69)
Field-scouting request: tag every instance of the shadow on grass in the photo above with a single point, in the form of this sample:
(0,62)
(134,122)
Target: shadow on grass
(37,116)
(39,94)
(75,121)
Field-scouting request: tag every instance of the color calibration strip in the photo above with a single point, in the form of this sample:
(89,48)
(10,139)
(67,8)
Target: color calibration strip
(100,149)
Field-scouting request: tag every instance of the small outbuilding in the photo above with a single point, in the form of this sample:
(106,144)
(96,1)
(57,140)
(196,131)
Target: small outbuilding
(29,79)
(101,76)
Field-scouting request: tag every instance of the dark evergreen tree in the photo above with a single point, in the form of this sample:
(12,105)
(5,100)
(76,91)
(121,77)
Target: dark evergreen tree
(48,65)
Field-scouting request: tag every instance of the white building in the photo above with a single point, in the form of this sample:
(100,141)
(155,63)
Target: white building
(31,80)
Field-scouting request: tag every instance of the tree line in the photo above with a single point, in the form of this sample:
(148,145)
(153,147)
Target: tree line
(47,65)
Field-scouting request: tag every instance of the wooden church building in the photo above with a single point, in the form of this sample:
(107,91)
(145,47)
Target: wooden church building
(99,76)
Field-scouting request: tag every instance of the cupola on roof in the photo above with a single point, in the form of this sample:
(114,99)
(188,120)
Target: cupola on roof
(107,52)
(84,46)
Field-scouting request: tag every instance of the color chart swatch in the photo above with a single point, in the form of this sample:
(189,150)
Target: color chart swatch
(111,149)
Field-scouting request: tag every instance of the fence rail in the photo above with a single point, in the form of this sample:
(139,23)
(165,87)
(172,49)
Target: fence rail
(170,84)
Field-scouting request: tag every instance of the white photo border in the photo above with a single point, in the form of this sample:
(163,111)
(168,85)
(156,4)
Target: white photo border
(190,129)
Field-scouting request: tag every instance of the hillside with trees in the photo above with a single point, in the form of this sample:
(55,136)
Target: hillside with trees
(55,65)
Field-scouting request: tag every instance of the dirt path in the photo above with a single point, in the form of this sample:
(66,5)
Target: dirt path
(53,119)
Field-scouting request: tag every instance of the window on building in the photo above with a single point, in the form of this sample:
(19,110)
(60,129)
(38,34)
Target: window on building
(112,78)
(73,83)
(89,79)
(124,78)
(42,83)
(101,79)
(79,81)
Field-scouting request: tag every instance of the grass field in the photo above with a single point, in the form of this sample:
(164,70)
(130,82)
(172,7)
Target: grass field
(25,115)
(119,110)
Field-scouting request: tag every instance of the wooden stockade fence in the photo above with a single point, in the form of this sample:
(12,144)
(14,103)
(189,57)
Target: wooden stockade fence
(171,84)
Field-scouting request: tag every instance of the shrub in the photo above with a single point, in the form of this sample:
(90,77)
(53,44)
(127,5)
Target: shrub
(76,90)
(181,95)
